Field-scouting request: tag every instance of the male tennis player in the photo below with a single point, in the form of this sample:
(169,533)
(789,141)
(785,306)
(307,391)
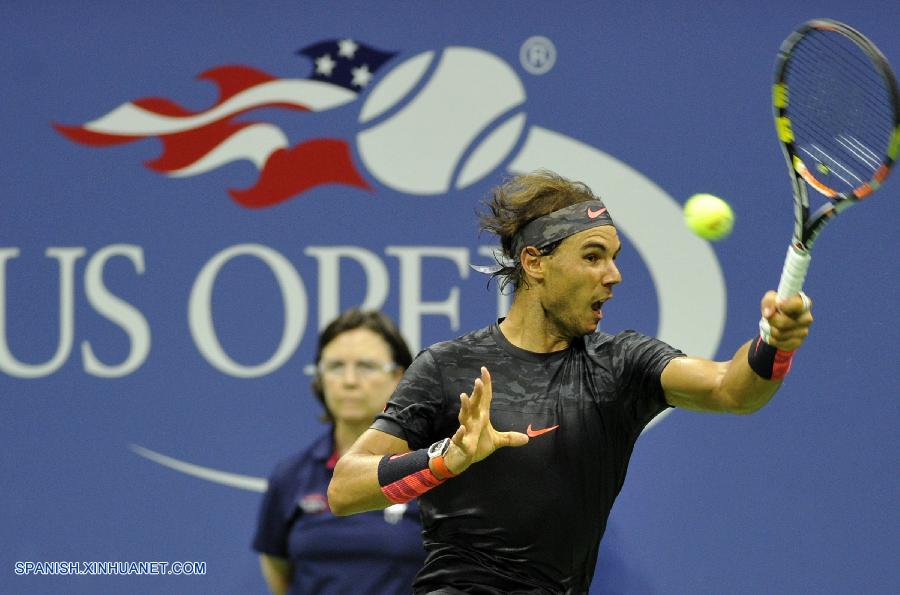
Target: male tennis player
(530,519)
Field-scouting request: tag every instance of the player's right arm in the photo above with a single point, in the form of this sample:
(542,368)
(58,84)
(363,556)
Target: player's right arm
(355,486)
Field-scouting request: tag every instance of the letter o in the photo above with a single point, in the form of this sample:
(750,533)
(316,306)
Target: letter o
(293,296)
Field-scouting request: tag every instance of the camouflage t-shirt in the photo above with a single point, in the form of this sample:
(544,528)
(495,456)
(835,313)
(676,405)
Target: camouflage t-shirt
(528,519)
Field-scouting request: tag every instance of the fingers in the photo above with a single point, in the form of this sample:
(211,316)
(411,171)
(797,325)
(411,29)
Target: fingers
(769,304)
(469,415)
(782,328)
(787,324)
(466,435)
(795,306)
(488,388)
(787,342)
(463,408)
(470,418)
(458,435)
(512,439)
(482,392)
(789,319)
(477,392)
(476,438)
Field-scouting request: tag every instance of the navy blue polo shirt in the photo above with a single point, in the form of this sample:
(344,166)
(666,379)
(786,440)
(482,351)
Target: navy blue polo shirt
(372,552)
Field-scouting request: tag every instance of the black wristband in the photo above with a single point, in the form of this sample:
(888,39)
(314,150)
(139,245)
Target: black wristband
(769,362)
(393,468)
(405,476)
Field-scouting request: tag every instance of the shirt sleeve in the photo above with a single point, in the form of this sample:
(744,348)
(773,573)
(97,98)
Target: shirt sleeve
(644,360)
(416,404)
(272,527)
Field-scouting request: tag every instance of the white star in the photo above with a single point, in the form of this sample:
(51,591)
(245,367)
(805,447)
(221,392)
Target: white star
(361,75)
(324,65)
(347,48)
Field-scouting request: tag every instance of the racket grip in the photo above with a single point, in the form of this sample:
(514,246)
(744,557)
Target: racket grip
(796,263)
(793,274)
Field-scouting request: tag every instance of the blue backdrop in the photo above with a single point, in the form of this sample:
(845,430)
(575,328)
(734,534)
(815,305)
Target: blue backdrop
(170,246)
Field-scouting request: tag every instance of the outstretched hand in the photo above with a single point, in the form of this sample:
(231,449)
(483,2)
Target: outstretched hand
(789,320)
(476,438)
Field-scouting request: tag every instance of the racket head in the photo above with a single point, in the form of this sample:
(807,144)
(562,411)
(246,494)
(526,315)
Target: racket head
(837,115)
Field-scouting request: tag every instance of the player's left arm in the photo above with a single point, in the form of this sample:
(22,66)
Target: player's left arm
(733,386)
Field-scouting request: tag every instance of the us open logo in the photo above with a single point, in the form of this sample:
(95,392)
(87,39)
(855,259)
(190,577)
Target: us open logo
(427,124)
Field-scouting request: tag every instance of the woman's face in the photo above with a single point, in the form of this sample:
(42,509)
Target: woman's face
(357,375)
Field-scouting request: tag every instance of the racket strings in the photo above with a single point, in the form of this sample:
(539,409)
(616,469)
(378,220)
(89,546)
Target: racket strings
(869,79)
(840,110)
(864,103)
(839,48)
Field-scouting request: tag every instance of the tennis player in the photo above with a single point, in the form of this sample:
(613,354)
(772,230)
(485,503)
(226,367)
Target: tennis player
(571,400)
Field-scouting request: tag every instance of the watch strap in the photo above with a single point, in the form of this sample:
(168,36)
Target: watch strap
(439,468)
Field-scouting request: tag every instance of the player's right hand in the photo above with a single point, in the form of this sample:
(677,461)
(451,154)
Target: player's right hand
(789,320)
(476,437)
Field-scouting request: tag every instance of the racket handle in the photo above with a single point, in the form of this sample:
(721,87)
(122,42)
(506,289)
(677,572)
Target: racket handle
(796,263)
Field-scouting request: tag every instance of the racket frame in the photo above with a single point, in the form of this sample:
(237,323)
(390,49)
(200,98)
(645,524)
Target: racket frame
(807,227)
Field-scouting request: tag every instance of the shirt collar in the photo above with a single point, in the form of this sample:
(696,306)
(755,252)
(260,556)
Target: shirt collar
(325,452)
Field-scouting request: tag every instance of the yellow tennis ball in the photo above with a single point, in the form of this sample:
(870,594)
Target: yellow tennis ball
(708,216)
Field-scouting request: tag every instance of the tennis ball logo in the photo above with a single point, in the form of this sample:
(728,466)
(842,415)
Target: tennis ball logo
(433,128)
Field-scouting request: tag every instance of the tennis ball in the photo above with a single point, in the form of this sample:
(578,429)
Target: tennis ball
(708,216)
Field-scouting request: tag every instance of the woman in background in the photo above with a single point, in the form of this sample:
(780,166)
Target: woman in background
(303,548)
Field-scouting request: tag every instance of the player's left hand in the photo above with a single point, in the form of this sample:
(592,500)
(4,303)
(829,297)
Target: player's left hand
(789,319)
(476,438)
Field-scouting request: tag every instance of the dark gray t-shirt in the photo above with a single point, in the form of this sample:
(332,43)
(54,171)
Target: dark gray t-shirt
(528,519)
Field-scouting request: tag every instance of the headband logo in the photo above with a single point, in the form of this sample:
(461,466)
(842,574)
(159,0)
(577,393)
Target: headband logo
(594,213)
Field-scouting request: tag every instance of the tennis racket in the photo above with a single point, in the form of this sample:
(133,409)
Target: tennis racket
(837,116)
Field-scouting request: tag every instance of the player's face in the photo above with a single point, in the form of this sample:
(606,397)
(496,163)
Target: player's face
(579,278)
(358,376)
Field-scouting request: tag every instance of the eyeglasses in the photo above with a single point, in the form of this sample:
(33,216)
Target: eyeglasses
(365,368)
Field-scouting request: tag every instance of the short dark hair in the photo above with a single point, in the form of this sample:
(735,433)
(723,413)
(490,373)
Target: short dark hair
(352,319)
(519,201)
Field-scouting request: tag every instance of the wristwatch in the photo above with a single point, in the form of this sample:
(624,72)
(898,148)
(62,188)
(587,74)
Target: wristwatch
(436,462)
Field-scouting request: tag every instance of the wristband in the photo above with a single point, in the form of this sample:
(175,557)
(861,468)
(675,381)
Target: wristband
(406,476)
(769,362)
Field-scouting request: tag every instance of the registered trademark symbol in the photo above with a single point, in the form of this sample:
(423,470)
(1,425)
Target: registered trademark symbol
(537,55)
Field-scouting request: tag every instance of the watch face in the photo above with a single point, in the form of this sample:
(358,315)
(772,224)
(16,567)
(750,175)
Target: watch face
(439,449)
